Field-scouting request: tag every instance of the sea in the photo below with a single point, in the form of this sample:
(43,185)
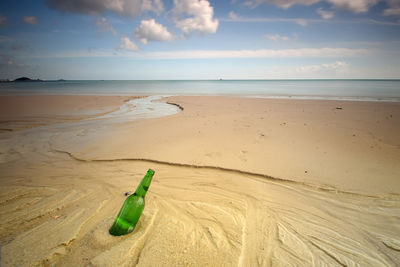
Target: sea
(354,90)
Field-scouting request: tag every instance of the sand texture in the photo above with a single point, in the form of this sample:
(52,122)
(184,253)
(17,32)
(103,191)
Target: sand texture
(238,182)
(20,112)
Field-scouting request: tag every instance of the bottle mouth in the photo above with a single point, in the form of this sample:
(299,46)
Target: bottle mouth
(150,171)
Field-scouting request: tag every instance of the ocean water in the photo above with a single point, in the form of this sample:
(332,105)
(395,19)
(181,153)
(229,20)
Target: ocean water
(134,109)
(377,90)
(140,108)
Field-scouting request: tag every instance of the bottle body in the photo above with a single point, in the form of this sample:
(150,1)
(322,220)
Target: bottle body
(132,208)
(128,216)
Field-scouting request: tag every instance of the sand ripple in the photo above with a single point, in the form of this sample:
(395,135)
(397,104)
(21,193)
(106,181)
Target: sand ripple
(193,217)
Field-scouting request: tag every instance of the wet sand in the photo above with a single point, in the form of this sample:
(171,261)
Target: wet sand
(20,112)
(239,182)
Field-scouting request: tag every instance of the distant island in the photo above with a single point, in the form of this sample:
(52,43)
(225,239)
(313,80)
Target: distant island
(26,79)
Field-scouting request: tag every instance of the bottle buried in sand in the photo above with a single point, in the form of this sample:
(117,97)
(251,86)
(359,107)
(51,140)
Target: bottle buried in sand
(133,206)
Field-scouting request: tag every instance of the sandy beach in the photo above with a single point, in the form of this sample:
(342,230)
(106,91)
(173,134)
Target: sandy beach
(238,182)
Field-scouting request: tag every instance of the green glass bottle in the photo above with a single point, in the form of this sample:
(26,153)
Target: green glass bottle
(133,206)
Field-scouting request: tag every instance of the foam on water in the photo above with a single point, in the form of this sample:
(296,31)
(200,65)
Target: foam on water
(141,108)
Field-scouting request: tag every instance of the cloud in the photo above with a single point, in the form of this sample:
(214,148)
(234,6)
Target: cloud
(305,22)
(357,6)
(258,53)
(280,3)
(194,15)
(394,8)
(392,12)
(4,39)
(299,21)
(302,22)
(331,70)
(234,16)
(338,67)
(127,44)
(9,62)
(153,5)
(150,30)
(131,8)
(325,14)
(104,26)
(3,20)
(31,20)
(277,37)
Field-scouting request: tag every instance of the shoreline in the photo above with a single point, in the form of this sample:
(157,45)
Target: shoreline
(29,111)
(255,96)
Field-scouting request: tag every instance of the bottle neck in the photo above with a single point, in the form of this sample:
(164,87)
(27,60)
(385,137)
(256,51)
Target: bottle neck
(144,184)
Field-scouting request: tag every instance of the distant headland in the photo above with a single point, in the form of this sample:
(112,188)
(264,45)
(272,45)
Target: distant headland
(26,79)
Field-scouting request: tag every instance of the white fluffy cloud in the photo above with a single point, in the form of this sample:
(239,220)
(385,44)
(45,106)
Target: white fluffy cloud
(131,8)
(150,30)
(31,20)
(325,14)
(127,44)
(194,15)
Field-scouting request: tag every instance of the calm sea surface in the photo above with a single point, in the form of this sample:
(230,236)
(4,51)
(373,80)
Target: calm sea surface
(384,90)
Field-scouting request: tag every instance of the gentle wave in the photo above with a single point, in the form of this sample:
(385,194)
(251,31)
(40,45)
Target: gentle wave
(364,90)
(141,108)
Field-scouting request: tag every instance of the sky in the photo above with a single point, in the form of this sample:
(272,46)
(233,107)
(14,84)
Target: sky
(199,39)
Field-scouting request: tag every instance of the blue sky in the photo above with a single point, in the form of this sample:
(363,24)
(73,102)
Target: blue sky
(199,39)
